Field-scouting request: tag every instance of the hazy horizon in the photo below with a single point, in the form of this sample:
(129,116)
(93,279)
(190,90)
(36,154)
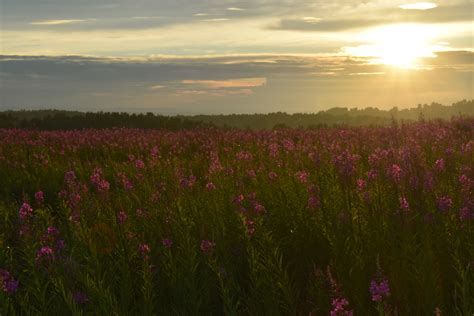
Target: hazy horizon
(222,57)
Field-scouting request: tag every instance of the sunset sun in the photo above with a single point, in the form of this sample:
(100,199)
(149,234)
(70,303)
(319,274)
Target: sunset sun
(399,46)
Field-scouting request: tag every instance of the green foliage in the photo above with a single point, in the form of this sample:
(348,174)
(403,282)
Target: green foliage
(172,244)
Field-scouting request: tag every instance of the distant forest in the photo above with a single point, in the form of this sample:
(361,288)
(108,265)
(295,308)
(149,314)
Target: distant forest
(66,120)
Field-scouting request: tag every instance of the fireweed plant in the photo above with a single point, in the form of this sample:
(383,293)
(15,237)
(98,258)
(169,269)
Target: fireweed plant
(327,221)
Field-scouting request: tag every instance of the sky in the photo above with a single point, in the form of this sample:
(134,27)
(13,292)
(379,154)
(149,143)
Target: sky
(228,56)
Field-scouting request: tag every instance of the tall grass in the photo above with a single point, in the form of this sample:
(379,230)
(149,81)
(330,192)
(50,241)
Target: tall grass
(340,221)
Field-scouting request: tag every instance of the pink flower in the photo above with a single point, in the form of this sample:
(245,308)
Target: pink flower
(302,176)
(444,203)
(207,246)
(250,227)
(339,307)
(144,250)
(39,197)
(70,177)
(139,164)
(395,172)
(239,199)
(25,211)
(404,205)
(439,165)
(121,217)
(80,298)
(100,184)
(379,290)
(167,243)
(210,186)
(361,184)
(313,202)
(272,176)
(45,254)
(9,284)
(259,208)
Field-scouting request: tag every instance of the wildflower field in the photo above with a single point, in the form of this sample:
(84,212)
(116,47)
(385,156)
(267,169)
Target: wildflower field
(327,221)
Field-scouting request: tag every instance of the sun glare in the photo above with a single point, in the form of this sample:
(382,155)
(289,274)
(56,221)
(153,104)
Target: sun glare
(396,45)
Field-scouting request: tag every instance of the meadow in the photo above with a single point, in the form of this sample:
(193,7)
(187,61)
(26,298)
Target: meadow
(325,221)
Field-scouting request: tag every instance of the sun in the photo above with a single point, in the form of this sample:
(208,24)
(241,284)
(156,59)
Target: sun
(399,46)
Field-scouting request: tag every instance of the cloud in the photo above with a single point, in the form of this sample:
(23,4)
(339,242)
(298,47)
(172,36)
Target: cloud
(235,9)
(216,20)
(231,83)
(380,16)
(157,87)
(366,73)
(321,25)
(228,83)
(57,22)
(418,6)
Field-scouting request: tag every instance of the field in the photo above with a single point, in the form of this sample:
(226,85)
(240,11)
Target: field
(338,221)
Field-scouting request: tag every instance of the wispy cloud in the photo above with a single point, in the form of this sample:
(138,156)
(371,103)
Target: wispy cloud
(57,22)
(311,19)
(366,73)
(235,9)
(231,83)
(146,17)
(216,20)
(157,87)
(418,6)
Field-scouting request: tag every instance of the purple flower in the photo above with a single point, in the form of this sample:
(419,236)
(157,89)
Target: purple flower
(444,203)
(210,186)
(25,211)
(70,177)
(39,197)
(339,307)
(259,208)
(167,243)
(121,217)
(207,246)
(239,199)
(465,183)
(9,284)
(144,250)
(60,245)
(272,175)
(395,172)
(44,254)
(80,297)
(361,184)
(440,165)
(466,214)
(50,235)
(302,176)
(100,184)
(404,205)
(372,174)
(313,202)
(250,227)
(126,183)
(139,164)
(379,290)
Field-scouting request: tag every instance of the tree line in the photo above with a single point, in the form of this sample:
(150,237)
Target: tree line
(67,120)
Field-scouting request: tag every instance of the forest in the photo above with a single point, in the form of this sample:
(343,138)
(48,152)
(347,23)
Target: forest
(339,116)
